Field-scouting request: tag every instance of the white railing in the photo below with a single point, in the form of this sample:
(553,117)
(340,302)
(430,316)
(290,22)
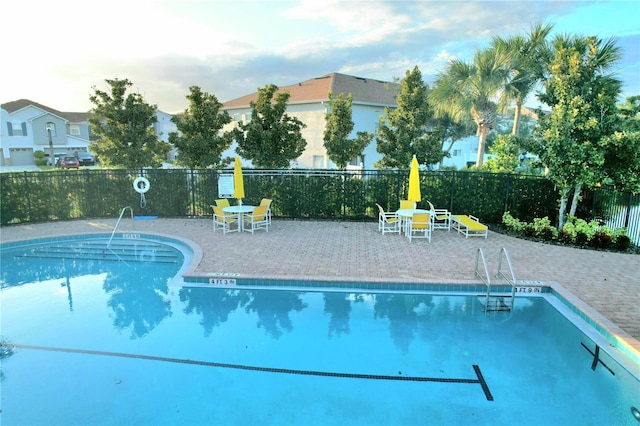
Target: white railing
(486,278)
(124,209)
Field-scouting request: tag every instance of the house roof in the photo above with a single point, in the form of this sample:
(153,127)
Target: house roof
(364,91)
(74,117)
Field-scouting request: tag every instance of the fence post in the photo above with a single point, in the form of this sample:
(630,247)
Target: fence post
(192,189)
(506,194)
(344,194)
(628,215)
(26,187)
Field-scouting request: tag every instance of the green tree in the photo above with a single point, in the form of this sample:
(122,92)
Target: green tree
(340,148)
(406,131)
(272,139)
(526,58)
(629,113)
(465,90)
(201,141)
(572,139)
(508,155)
(447,132)
(125,128)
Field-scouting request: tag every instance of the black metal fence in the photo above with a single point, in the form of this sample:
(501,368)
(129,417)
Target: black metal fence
(313,194)
(618,210)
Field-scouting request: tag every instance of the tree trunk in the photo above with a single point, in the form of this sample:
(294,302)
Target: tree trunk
(575,201)
(482,139)
(516,119)
(564,196)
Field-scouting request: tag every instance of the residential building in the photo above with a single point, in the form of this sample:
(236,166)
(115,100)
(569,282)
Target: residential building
(28,126)
(309,102)
(25,125)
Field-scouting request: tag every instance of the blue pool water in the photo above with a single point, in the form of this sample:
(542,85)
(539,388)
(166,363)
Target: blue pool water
(109,337)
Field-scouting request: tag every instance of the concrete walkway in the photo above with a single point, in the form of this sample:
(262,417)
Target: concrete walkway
(607,283)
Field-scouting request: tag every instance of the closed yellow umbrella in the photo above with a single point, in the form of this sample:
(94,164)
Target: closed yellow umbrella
(414,182)
(238,181)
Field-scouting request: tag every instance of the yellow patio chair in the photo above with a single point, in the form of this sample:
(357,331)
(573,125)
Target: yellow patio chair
(387,221)
(267,202)
(406,204)
(419,226)
(222,203)
(223,220)
(257,220)
(441,218)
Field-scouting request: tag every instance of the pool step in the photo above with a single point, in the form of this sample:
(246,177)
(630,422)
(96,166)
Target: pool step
(497,303)
(140,251)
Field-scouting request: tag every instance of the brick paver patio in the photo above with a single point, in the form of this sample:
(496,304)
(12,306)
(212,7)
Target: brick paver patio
(607,282)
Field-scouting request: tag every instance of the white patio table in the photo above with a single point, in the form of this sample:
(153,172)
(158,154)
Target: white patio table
(241,210)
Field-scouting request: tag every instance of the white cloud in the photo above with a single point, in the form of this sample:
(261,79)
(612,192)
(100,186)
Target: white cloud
(59,50)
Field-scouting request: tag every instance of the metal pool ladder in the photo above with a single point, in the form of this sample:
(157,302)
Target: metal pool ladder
(124,209)
(493,301)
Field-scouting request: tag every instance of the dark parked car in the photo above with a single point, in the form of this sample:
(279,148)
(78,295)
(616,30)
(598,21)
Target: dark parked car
(86,158)
(69,162)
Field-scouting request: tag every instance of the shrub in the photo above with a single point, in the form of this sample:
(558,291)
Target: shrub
(601,239)
(542,229)
(39,158)
(513,224)
(621,240)
(577,232)
(622,243)
(568,233)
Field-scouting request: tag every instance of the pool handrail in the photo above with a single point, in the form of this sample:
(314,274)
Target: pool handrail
(124,209)
(480,255)
(513,281)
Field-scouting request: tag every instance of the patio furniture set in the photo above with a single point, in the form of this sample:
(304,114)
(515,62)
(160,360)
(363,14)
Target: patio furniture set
(418,223)
(241,218)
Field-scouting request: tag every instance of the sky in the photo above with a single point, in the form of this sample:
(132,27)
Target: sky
(57,53)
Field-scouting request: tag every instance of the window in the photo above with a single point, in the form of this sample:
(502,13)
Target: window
(17,129)
(74,129)
(357,161)
(247,117)
(318,161)
(457,152)
(51,126)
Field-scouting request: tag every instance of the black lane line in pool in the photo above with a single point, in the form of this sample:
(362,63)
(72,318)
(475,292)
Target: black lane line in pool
(480,380)
(596,359)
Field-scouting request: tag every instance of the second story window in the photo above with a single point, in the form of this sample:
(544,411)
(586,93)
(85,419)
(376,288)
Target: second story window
(74,129)
(17,128)
(51,126)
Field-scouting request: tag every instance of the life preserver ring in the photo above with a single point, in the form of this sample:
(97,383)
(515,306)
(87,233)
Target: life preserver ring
(145,185)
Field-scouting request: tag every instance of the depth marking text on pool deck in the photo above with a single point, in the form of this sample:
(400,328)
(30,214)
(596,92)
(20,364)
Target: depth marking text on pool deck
(222,279)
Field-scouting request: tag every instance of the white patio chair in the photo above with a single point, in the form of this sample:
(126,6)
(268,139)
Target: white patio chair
(257,220)
(419,226)
(224,220)
(387,221)
(441,218)
(267,202)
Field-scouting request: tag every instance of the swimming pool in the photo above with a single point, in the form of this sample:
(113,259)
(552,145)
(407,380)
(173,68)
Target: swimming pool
(118,340)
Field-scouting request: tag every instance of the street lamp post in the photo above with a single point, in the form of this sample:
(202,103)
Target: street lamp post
(51,155)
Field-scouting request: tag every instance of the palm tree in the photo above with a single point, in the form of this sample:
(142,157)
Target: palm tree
(528,56)
(465,90)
